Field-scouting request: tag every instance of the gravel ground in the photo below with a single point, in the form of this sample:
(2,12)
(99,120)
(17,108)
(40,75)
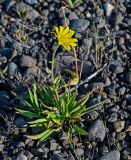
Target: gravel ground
(26,44)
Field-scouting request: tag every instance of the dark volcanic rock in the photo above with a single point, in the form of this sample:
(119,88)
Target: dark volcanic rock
(21,157)
(128,77)
(4,98)
(113,155)
(27,61)
(116,67)
(97,130)
(79,25)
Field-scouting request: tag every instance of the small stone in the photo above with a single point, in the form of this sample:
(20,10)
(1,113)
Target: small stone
(1,148)
(116,67)
(113,155)
(121,91)
(4,98)
(108,8)
(31,42)
(20,145)
(104,149)
(12,68)
(121,136)
(57,157)
(20,122)
(87,43)
(128,108)
(21,157)
(79,25)
(3,59)
(87,68)
(31,73)
(97,131)
(40,151)
(32,1)
(93,115)
(27,61)
(112,117)
(79,152)
(73,16)
(53,146)
(119,125)
(128,77)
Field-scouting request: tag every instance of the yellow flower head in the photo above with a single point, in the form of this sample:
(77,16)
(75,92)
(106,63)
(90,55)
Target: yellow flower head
(64,36)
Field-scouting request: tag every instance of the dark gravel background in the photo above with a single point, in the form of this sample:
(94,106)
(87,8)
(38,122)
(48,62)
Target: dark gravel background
(103,29)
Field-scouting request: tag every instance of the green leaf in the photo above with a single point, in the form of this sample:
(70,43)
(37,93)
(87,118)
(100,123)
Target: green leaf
(27,113)
(31,97)
(54,118)
(83,101)
(35,96)
(46,134)
(94,107)
(64,109)
(38,121)
(80,130)
(78,112)
(70,134)
(38,125)
(77,109)
(71,102)
(38,136)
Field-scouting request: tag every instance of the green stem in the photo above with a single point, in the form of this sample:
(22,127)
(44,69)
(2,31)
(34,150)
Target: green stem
(53,63)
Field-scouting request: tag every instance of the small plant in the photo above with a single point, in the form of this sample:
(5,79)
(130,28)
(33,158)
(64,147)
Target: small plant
(21,14)
(73,3)
(55,111)
(22,37)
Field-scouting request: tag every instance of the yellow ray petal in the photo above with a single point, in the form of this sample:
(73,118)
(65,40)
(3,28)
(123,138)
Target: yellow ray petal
(66,30)
(61,30)
(72,40)
(70,34)
(73,44)
(57,30)
(67,47)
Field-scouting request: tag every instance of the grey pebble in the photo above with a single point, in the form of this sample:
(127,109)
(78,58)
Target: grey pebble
(79,25)
(112,155)
(97,130)
(27,61)
(20,122)
(21,157)
(128,77)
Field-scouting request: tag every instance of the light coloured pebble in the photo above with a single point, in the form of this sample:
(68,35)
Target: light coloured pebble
(119,125)
(108,8)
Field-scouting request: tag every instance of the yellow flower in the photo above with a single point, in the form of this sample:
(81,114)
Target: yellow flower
(64,37)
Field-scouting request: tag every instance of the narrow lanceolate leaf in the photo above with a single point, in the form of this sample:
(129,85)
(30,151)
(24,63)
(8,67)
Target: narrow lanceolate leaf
(80,130)
(94,107)
(78,109)
(35,96)
(27,113)
(38,121)
(46,135)
(64,109)
(70,134)
(54,118)
(78,112)
(31,96)
(38,136)
(83,101)
(71,101)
